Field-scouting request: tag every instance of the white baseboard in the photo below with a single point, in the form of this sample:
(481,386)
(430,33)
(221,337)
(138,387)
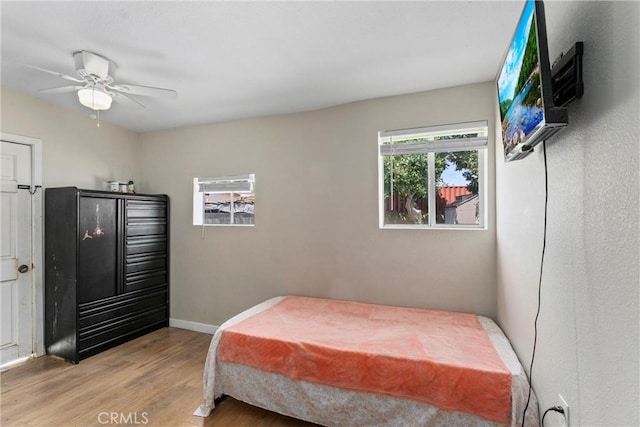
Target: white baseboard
(193,326)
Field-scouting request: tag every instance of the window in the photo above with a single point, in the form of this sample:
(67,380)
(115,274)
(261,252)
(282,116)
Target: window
(225,200)
(433,177)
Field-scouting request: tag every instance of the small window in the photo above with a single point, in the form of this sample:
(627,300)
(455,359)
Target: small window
(225,200)
(433,177)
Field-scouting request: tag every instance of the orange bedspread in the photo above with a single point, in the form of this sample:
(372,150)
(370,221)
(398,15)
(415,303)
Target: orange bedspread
(441,358)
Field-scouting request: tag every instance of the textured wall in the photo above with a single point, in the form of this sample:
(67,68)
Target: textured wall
(316,227)
(589,326)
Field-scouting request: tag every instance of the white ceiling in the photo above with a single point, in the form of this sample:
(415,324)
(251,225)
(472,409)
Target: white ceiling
(229,60)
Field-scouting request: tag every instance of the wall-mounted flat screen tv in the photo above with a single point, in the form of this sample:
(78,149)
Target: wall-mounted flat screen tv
(525,94)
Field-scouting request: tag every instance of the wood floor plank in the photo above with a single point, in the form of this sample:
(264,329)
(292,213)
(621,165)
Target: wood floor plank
(155,380)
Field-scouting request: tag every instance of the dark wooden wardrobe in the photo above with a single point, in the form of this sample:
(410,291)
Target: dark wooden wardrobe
(106,269)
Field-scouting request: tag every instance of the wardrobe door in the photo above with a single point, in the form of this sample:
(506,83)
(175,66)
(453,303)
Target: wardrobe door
(146,244)
(97,248)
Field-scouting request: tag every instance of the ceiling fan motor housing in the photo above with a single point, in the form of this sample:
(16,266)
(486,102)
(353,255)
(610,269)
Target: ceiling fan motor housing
(94,65)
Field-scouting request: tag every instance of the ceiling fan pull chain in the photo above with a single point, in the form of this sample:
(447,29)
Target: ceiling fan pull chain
(93,91)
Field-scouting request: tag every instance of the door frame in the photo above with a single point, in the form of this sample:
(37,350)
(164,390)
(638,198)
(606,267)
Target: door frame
(37,241)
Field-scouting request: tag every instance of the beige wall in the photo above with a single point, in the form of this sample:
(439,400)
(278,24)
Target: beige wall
(589,327)
(316,227)
(75,152)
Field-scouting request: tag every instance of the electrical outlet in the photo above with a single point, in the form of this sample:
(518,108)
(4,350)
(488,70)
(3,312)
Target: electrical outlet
(565,408)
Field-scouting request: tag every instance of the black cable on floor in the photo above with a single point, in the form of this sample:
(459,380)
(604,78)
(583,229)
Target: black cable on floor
(557,409)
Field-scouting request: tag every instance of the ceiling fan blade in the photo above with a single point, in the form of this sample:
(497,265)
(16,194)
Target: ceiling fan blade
(62,89)
(92,63)
(125,100)
(55,73)
(144,90)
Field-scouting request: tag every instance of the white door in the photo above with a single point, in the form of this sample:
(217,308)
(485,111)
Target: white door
(16,296)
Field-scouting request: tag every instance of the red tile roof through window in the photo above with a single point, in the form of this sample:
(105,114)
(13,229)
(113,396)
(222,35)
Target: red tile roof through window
(449,194)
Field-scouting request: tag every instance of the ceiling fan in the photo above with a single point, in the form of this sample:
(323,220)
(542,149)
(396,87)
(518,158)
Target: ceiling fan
(95,83)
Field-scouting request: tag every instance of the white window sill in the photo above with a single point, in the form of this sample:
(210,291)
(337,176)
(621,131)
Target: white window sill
(224,225)
(436,227)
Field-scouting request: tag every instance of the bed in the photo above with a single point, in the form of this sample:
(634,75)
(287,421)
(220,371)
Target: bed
(342,363)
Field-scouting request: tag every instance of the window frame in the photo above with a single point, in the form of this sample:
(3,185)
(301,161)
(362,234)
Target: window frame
(235,184)
(478,144)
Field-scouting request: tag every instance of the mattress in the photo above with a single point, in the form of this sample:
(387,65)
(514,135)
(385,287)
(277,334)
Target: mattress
(343,363)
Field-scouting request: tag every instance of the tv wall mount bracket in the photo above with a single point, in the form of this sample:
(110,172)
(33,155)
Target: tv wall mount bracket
(566,76)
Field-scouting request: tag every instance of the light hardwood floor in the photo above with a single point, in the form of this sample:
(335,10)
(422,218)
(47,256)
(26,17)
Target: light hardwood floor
(155,380)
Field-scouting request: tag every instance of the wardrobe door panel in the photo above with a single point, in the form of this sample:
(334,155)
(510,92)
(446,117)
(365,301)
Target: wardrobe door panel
(146,244)
(98,248)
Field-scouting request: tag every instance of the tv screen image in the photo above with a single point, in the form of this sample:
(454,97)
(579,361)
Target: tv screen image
(519,85)
(524,87)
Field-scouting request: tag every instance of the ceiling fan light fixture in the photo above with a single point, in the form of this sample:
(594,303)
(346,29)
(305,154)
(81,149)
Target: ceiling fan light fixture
(94,99)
